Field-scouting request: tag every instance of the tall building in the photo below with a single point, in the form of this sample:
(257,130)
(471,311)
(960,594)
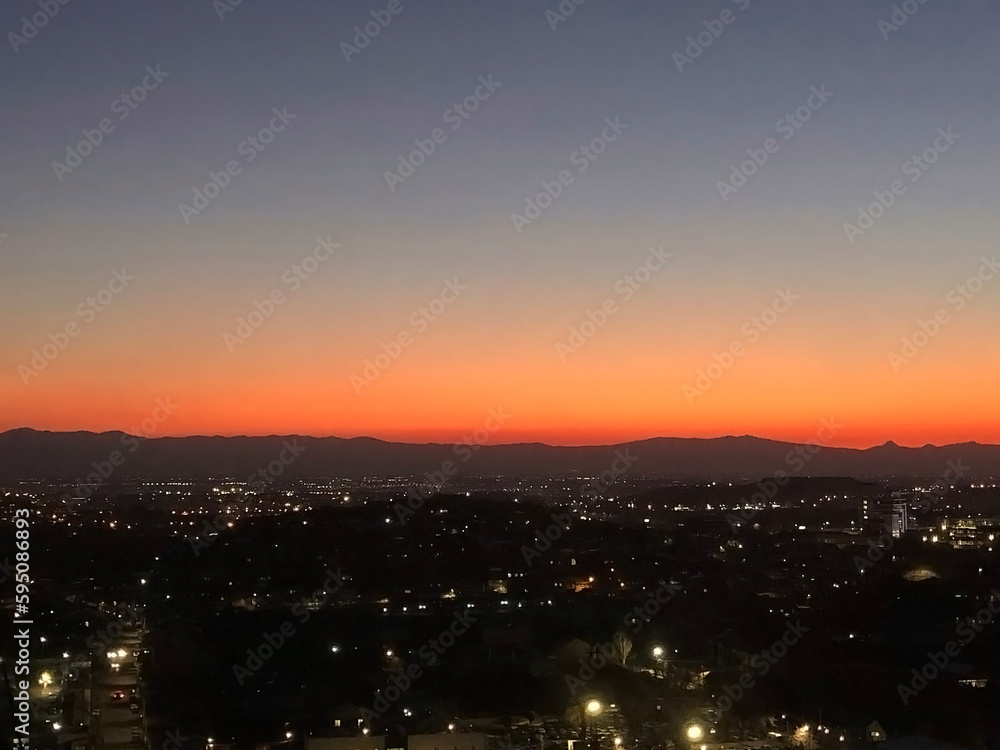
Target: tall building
(892,514)
(896,515)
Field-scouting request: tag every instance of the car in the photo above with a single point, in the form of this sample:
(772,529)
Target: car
(118,695)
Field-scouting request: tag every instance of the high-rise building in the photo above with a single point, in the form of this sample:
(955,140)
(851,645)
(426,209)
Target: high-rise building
(891,514)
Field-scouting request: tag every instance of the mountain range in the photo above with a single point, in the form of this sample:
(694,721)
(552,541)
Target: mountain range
(33,454)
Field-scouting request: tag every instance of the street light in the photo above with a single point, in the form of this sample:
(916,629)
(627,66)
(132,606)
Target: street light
(695,733)
(658,652)
(592,707)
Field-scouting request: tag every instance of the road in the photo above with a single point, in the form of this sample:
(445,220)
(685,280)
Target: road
(118,727)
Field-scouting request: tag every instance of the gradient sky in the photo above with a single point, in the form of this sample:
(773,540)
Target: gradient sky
(495,346)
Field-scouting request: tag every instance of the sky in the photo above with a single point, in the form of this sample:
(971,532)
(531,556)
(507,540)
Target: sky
(710,264)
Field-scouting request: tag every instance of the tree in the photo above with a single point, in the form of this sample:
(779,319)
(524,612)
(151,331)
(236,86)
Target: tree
(623,647)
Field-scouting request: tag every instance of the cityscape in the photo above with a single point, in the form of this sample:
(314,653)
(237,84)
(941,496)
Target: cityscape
(539,375)
(372,612)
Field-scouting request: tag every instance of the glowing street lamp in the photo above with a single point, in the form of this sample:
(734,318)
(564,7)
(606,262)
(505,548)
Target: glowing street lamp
(695,733)
(658,651)
(592,707)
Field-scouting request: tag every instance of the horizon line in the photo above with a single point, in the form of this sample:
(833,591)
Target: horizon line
(500,444)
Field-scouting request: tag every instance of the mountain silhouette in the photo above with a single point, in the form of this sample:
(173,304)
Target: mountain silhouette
(33,454)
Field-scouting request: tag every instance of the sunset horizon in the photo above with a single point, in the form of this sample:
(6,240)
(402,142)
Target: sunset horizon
(549,375)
